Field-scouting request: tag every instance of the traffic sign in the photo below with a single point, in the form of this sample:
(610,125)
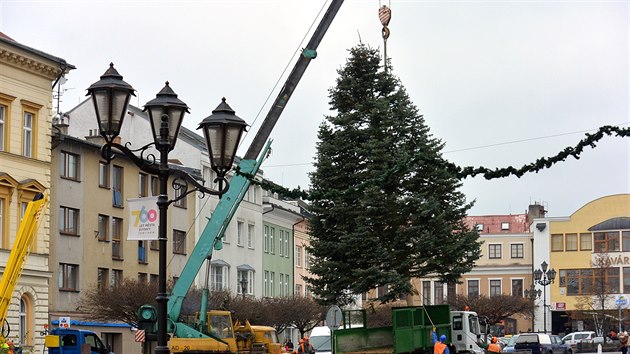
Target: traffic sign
(140,334)
(333,317)
(64,322)
(621,301)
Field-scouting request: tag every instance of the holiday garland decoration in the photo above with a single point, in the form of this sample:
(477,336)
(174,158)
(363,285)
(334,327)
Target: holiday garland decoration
(469,171)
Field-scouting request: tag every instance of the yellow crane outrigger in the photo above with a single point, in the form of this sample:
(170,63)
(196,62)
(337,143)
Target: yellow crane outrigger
(20,249)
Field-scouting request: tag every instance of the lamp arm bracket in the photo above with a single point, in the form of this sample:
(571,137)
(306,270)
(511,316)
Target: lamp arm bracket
(198,187)
(146,161)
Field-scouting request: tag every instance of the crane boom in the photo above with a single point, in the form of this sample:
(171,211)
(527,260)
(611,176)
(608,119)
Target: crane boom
(19,251)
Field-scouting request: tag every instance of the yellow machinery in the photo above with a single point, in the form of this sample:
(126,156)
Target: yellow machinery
(12,271)
(229,338)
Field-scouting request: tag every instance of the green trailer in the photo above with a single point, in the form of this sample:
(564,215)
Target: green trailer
(410,332)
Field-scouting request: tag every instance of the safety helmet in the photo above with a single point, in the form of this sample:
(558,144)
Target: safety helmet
(442,338)
(494,339)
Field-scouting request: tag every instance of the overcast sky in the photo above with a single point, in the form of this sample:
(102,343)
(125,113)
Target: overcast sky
(500,82)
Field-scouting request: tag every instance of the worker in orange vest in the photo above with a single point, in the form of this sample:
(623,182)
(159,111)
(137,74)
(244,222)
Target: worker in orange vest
(494,347)
(439,347)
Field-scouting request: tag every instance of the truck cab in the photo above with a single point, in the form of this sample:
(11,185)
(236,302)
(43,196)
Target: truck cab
(466,331)
(71,341)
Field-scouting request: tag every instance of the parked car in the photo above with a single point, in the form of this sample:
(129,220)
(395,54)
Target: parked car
(509,346)
(572,339)
(541,343)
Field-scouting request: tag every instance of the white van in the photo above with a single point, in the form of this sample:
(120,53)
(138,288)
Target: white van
(320,340)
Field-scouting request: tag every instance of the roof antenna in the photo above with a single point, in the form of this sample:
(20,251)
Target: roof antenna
(385,14)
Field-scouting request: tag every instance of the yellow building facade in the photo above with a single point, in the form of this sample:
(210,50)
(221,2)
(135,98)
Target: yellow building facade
(596,236)
(27,77)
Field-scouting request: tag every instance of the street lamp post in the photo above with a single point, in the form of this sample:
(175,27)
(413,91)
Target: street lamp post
(544,277)
(532,294)
(222,130)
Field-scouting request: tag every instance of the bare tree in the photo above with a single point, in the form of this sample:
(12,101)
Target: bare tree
(598,286)
(494,308)
(306,314)
(117,303)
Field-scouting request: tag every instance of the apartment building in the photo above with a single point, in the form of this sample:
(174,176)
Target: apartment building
(90,218)
(27,76)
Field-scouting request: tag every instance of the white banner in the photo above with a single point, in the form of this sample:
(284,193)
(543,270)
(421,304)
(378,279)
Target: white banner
(143,219)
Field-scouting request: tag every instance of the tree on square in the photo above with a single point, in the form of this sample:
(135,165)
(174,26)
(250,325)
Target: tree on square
(385,206)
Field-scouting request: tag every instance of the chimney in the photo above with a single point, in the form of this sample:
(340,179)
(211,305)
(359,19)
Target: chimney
(62,123)
(535,211)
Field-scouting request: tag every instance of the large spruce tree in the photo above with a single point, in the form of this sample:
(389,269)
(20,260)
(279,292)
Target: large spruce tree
(385,207)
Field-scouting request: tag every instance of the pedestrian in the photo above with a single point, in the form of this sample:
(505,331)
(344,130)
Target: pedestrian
(305,347)
(289,346)
(439,346)
(623,342)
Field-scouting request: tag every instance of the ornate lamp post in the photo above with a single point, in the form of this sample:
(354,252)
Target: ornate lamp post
(544,277)
(110,96)
(532,294)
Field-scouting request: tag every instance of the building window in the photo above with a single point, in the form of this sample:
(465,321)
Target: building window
(143,278)
(307,259)
(495,287)
(286,244)
(248,276)
(180,190)
(250,235)
(3,115)
(219,277)
(438,293)
(626,280)
(143,185)
(557,244)
(473,288)
(2,220)
(479,227)
(517,287)
(266,284)
(117,186)
(117,227)
(103,174)
(272,289)
(117,277)
(494,251)
(298,290)
(298,256)
(102,278)
(281,245)
(68,277)
(606,241)
(272,242)
(266,239)
(27,134)
(517,250)
(142,252)
(505,226)
(571,242)
(23,334)
(625,237)
(239,233)
(69,166)
(451,293)
(586,241)
(154,245)
(155,186)
(426,292)
(103,227)
(179,242)
(281,283)
(68,221)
